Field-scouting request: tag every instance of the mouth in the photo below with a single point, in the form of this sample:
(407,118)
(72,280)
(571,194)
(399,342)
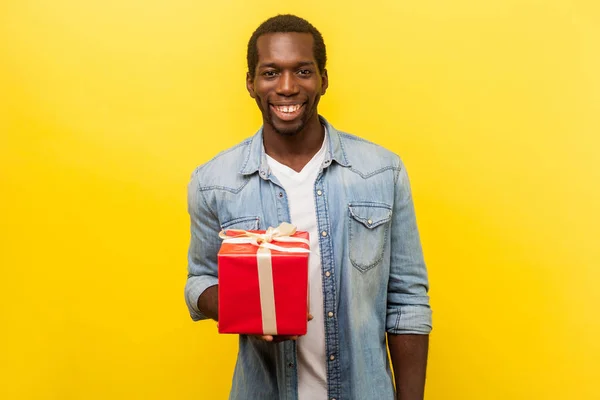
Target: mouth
(287,112)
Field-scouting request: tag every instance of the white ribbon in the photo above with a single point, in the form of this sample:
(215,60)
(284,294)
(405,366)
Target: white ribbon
(267,291)
(282,234)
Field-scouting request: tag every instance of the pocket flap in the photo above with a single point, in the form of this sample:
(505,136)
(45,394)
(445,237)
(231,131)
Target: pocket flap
(244,223)
(371,215)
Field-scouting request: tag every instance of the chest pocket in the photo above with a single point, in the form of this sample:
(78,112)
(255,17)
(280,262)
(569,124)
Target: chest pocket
(367,230)
(245,223)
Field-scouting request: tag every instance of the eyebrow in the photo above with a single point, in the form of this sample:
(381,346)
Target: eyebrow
(274,65)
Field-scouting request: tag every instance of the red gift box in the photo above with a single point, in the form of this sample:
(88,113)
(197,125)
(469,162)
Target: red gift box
(263,281)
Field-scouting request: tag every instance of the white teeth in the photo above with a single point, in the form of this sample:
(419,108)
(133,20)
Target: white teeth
(289,109)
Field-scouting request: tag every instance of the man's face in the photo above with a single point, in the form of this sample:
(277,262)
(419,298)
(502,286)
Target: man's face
(287,84)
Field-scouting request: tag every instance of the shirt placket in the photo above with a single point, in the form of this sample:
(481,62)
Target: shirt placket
(329,287)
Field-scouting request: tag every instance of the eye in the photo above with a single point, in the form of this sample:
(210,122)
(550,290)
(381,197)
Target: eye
(269,73)
(305,72)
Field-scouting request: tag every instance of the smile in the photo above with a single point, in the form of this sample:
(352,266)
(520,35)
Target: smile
(287,112)
(288,109)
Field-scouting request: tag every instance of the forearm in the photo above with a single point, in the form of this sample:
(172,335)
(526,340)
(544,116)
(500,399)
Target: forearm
(409,360)
(208,302)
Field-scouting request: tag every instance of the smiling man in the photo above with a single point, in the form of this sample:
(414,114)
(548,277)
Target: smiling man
(367,276)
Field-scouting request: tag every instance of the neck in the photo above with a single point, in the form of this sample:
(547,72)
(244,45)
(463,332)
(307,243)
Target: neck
(297,150)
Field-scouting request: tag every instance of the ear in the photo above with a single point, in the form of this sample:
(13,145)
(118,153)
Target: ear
(250,85)
(324,82)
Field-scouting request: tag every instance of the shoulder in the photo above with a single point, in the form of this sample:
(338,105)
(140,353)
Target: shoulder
(368,158)
(223,170)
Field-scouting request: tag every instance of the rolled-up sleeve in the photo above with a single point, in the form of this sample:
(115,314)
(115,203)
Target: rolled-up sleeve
(203,249)
(408,310)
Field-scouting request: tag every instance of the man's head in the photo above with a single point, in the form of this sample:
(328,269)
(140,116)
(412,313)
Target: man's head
(286,73)
(281,24)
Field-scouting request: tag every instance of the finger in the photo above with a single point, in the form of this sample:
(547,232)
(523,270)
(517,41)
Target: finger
(267,338)
(278,339)
(310,317)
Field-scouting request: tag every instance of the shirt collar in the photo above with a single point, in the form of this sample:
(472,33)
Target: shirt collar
(256,158)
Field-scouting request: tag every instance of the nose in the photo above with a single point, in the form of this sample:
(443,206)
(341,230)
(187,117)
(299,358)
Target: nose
(286,85)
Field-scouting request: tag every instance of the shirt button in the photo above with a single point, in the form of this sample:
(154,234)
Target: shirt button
(328,274)
(369,222)
(319,192)
(332,357)
(330,314)
(291,365)
(324,233)
(281,195)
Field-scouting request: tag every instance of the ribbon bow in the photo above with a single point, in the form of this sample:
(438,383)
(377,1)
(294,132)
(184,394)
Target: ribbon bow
(283,233)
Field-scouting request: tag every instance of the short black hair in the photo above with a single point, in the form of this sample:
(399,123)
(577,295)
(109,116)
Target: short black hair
(286,23)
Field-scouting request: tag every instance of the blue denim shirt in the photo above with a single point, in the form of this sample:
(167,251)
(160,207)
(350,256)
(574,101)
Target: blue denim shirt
(374,276)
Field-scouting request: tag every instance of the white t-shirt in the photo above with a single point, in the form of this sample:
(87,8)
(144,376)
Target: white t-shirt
(300,189)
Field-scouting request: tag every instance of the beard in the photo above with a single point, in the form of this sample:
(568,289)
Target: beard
(288,131)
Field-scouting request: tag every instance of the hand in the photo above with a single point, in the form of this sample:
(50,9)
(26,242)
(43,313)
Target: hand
(274,338)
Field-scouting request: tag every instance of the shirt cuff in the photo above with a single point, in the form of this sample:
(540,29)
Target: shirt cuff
(195,286)
(409,320)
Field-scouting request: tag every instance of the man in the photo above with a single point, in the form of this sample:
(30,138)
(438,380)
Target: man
(366,270)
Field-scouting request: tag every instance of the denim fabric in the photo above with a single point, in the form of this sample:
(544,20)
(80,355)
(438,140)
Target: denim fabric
(374,276)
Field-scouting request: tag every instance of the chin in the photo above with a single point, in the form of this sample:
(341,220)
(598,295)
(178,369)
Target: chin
(289,130)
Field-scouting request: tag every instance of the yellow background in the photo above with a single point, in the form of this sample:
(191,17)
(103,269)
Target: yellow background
(107,106)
